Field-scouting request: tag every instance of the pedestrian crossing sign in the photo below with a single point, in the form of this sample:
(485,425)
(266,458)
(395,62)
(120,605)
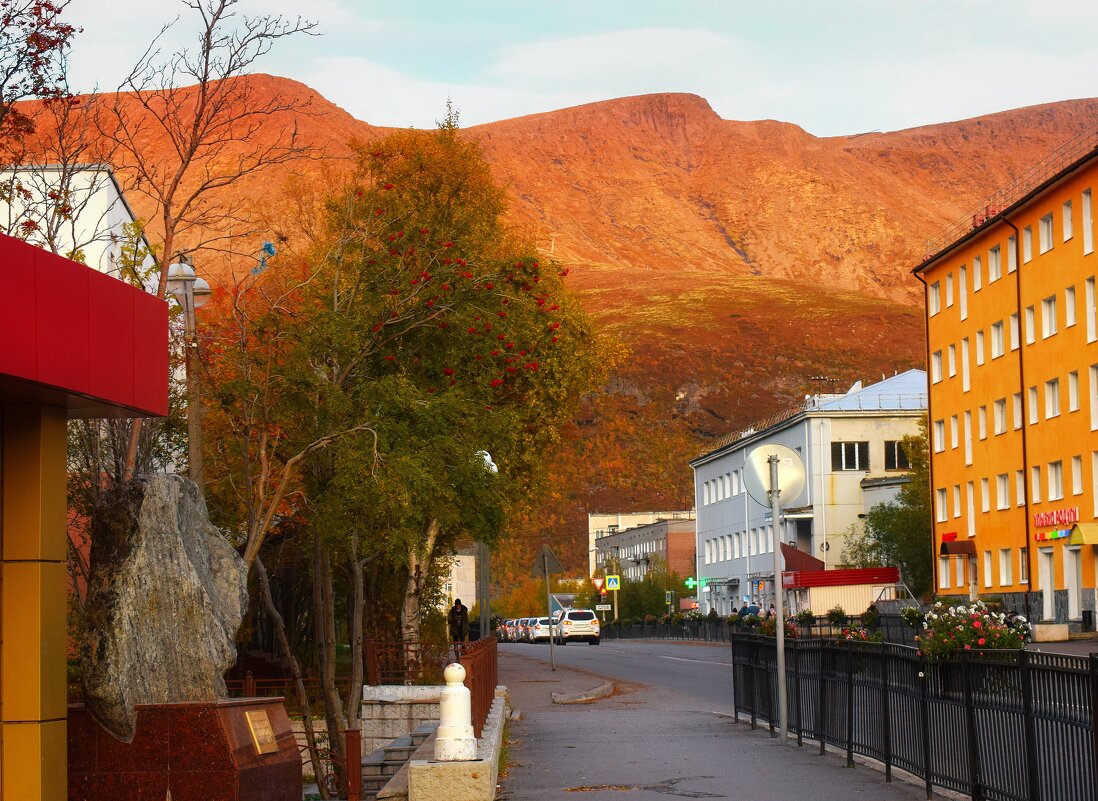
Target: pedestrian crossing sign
(613,582)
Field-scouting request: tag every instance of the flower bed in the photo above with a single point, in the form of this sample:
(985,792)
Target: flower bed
(947,631)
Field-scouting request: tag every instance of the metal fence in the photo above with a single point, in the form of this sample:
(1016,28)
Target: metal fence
(1002,726)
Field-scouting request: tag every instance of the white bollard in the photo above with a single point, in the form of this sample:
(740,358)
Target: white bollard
(454,741)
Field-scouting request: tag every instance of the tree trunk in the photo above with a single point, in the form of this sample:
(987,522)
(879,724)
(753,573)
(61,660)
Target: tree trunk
(358,601)
(295,672)
(324,621)
(419,562)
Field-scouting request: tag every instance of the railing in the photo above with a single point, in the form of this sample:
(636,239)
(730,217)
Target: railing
(251,687)
(892,628)
(424,663)
(1067,153)
(1003,726)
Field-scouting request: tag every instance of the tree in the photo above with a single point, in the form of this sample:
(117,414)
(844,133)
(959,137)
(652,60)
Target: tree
(898,534)
(219,129)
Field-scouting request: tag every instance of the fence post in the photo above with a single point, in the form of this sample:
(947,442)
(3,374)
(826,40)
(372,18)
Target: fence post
(754,691)
(797,688)
(370,656)
(1094,710)
(771,693)
(353,750)
(924,714)
(850,703)
(1025,678)
(821,694)
(735,688)
(249,685)
(975,790)
(886,717)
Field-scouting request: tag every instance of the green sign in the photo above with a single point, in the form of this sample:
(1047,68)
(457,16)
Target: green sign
(691,583)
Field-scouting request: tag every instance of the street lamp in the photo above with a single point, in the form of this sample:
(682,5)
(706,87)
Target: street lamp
(484,567)
(191,292)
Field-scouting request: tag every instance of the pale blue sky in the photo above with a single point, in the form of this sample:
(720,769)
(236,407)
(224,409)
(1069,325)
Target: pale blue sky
(832,67)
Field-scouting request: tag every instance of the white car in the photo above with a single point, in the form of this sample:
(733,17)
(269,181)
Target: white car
(542,629)
(578,624)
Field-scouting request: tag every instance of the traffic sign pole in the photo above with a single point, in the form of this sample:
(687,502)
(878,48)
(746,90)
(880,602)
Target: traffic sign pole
(779,601)
(549,606)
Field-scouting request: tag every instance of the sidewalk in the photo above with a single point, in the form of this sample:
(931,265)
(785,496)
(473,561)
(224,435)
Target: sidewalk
(649,744)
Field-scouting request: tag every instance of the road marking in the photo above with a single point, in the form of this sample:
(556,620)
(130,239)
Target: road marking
(699,661)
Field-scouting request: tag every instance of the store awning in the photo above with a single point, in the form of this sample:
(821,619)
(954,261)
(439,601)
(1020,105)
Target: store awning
(1084,534)
(955,548)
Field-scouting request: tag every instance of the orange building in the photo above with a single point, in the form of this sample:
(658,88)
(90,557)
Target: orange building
(1013,405)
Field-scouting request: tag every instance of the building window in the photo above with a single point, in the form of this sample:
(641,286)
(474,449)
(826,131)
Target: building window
(1016,402)
(770,539)
(1094,397)
(949,290)
(968,437)
(979,347)
(705,494)
(1002,491)
(939,439)
(1023,565)
(1014,331)
(1035,483)
(1055,480)
(962,290)
(985,495)
(1088,230)
(970,508)
(1048,317)
(987,568)
(1033,418)
(934,298)
(851,455)
(1012,253)
(956,500)
(1044,234)
(966,383)
(1065,221)
(1020,487)
(895,458)
(1005,562)
(936,366)
(997,339)
(737,544)
(1094,480)
(954,431)
(1073,391)
(943,572)
(1029,326)
(962,572)
(952,360)
(1052,398)
(981,421)
(994,265)
(1027,245)
(1076,475)
(1000,414)
(1091,317)
(709,552)
(1069,307)
(942,512)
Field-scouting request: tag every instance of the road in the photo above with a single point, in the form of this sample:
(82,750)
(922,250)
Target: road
(667,731)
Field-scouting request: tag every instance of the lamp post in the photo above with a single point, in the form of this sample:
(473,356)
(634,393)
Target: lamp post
(484,566)
(191,292)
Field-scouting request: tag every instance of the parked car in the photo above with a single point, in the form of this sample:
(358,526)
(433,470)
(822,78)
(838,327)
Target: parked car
(524,629)
(542,629)
(578,624)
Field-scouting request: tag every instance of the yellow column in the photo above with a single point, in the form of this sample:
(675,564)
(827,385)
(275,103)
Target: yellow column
(33,633)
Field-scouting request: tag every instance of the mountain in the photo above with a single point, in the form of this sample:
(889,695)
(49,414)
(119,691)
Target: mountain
(745,264)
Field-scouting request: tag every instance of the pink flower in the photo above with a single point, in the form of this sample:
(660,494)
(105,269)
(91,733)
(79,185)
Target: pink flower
(981,641)
(976,624)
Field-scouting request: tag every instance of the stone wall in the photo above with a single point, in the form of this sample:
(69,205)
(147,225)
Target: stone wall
(390,712)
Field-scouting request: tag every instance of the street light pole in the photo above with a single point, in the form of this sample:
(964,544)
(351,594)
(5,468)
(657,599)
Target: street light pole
(191,292)
(484,563)
(779,602)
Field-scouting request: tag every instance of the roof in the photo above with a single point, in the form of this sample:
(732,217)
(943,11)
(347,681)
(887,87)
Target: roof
(903,392)
(1056,165)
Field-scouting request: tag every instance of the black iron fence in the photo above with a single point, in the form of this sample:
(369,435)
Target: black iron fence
(891,627)
(1002,726)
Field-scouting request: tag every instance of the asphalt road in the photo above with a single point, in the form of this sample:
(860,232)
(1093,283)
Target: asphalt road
(667,731)
(698,671)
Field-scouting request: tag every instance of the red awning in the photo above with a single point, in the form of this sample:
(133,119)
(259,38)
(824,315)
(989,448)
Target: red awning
(796,559)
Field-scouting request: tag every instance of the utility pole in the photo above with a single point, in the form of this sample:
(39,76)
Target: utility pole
(779,601)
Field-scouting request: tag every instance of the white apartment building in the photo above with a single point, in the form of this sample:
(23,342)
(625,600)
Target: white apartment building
(601,524)
(850,446)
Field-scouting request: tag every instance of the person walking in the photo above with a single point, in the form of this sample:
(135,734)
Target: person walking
(459,621)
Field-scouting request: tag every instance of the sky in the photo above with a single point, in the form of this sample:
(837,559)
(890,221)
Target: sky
(831,67)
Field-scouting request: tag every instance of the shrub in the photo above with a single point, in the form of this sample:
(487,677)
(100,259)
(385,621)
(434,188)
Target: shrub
(949,630)
(837,615)
(733,619)
(749,620)
(769,627)
(806,617)
(912,616)
(862,635)
(871,619)
(649,619)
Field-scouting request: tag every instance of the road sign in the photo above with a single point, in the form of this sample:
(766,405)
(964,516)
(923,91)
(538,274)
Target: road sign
(602,607)
(667,597)
(598,583)
(546,562)
(690,583)
(613,582)
(756,474)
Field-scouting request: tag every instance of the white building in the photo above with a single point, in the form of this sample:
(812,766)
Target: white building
(460,581)
(850,445)
(77,211)
(601,524)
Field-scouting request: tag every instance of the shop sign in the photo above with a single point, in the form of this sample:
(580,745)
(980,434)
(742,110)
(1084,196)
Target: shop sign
(1054,534)
(1056,517)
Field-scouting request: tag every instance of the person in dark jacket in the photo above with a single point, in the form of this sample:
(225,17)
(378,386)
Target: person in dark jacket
(459,621)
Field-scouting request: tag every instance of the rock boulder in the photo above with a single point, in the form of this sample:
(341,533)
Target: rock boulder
(166,597)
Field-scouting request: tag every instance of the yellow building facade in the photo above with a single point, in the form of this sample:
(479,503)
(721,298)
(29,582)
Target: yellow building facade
(1013,405)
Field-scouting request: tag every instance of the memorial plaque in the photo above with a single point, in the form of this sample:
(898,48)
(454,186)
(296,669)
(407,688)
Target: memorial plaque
(263,736)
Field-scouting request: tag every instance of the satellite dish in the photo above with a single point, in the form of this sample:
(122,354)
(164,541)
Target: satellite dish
(756,474)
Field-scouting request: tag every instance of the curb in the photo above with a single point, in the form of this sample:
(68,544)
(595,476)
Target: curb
(594,694)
